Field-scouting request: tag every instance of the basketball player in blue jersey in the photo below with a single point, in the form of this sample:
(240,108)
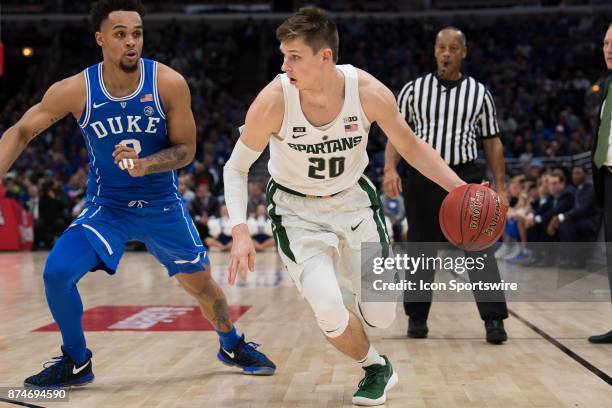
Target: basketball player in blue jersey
(136,118)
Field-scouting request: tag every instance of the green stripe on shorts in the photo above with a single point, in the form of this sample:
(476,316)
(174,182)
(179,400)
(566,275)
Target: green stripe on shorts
(280,234)
(377,209)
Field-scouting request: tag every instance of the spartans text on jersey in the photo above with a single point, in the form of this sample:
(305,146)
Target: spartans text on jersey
(330,146)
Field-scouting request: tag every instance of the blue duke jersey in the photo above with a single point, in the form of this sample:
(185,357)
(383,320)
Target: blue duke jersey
(137,121)
(120,207)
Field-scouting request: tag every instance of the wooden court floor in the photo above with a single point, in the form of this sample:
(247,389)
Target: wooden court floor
(454,367)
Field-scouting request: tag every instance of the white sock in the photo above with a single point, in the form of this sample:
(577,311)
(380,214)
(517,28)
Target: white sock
(372,358)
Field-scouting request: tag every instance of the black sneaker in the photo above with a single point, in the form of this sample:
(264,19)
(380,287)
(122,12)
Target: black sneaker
(495,331)
(417,329)
(602,338)
(246,356)
(62,372)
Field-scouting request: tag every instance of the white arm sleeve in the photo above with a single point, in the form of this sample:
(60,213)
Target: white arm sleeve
(235,176)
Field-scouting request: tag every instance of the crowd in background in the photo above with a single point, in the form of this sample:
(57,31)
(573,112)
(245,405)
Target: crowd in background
(542,72)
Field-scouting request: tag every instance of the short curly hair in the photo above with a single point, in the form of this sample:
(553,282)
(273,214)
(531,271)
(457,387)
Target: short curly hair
(102,8)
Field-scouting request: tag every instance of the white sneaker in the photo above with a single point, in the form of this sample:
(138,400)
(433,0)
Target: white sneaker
(516,249)
(503,250)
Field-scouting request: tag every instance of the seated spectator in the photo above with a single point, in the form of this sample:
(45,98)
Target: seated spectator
(532,198)
(220,230)
(185,188)
(511,238)
(256,196)
(581,223)
(201,223)
(204,202)
(560,199)
(260,227)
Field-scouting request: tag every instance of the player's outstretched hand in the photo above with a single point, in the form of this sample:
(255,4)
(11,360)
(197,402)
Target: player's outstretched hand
(392,183)
(127,159)
(242,255)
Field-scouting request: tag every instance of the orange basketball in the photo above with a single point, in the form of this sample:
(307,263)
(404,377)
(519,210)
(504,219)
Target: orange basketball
(472,217)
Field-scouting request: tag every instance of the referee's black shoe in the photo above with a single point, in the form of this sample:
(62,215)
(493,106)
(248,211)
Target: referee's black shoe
(602,338)
(495,331)
(417,328)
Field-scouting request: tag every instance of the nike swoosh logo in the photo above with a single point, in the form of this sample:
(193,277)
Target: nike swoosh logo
(229,353)
(97,105)
(81,368)
(298,136)
(357,226)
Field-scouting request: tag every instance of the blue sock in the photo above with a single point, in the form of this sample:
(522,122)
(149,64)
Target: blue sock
(229,340)
(71,258)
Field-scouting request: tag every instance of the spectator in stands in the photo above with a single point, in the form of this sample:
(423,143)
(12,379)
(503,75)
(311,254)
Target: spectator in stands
(74,189)
(186,188)
(541,96)
(560,199)
(33,204)
(260,227)
(581,223)
(511,238)
(220,230)
(204,203)
(541,132)
(51,221)
(256,197)
(201,223)
(186,194)
(210,173)
(12,188)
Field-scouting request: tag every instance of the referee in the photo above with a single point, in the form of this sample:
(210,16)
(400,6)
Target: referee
(450,111)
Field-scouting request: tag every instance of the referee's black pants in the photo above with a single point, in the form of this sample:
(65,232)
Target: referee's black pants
(423,198)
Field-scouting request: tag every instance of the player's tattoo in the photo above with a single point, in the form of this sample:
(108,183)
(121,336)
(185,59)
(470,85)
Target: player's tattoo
(221,315)
(168,159)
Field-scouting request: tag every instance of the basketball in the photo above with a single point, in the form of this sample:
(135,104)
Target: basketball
(472,217)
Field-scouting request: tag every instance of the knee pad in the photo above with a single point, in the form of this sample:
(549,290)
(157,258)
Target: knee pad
(333,320)
(377,314)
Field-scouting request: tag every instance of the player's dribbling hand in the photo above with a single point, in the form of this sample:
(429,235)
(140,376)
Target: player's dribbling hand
(127,159)
(503,196)
(392,183)
(242,255)
(501,193)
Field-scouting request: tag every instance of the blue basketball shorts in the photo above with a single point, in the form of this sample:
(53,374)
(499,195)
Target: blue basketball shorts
(167,232)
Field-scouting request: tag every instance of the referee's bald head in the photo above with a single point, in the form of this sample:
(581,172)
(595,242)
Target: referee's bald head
(453,30)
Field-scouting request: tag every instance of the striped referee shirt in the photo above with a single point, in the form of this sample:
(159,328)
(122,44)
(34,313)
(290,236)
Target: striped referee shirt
(449,115)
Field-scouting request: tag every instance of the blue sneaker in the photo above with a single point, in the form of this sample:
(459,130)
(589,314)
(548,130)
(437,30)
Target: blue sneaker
(520,257)
(62,372)
(246,356)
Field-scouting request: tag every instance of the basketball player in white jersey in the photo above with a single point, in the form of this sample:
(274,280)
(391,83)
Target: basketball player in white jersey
(316,117)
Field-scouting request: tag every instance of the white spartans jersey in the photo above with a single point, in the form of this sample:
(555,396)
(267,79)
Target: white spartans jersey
(320,160)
